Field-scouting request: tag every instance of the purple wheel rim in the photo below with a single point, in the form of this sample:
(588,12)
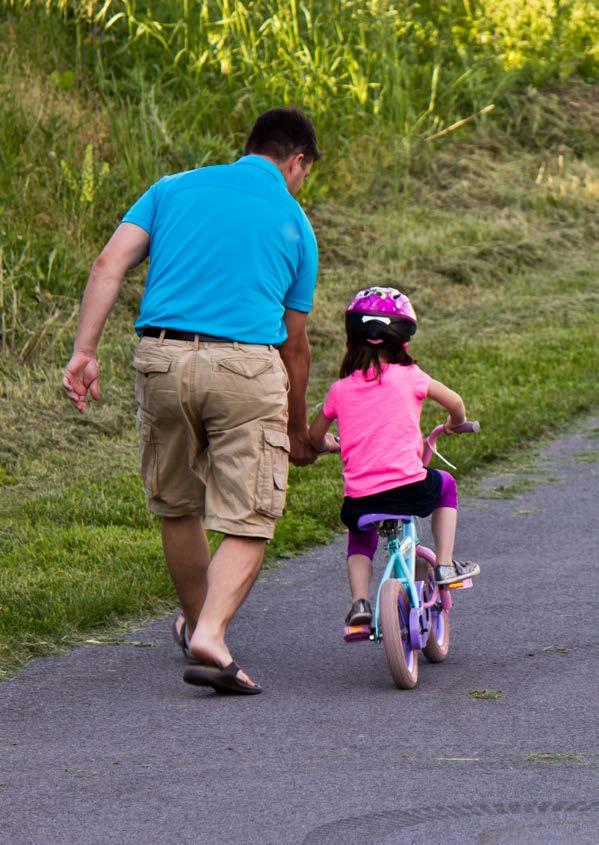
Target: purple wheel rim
(437,617)
(438,626)
(404,618)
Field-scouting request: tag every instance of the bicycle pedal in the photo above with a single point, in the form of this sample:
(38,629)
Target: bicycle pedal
(353,633)
(466,584)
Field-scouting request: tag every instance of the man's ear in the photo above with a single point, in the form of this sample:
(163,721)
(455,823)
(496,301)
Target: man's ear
(297,159)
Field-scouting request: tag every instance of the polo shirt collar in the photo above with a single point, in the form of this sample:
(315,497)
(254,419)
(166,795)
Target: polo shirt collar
(263,164)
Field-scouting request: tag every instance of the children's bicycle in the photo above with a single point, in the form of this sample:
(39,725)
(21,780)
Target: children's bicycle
(412,610)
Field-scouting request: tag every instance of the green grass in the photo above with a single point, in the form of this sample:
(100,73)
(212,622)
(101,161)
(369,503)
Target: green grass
(485,694)
(590,457)
(554,757)
(491,232)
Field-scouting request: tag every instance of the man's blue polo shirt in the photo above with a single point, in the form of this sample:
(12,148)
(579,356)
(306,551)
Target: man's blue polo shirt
(230,249)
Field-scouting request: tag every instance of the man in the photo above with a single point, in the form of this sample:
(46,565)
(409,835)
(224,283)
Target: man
(222,367)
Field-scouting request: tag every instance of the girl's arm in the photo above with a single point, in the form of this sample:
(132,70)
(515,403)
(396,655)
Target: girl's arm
(319,439)
(451,401)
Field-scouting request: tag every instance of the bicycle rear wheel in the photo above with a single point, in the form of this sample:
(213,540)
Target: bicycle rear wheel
(395,611)
(437,645)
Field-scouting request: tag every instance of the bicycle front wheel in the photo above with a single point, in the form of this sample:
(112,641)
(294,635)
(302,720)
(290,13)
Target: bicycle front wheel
(395,613)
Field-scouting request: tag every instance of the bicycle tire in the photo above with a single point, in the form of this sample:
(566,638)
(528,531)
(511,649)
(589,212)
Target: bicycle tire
(401,659)
(436,649)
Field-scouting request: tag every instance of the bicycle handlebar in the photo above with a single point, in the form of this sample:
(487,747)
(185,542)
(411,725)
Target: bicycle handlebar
(468,427)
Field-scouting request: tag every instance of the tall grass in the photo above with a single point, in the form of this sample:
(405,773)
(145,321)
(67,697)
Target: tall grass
(100,97)
(406,66)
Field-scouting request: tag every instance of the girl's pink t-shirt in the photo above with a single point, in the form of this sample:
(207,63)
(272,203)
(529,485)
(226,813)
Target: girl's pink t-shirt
(379,427)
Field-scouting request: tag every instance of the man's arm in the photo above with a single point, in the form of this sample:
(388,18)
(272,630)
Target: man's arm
(127,248)
(295,353)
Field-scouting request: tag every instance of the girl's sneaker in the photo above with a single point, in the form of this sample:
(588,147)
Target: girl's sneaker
(457,571)
(360,613)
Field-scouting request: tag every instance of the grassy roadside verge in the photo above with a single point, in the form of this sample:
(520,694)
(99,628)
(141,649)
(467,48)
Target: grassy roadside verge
(501,266)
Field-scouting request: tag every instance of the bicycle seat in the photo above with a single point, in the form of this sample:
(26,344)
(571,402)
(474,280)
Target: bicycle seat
(368,520)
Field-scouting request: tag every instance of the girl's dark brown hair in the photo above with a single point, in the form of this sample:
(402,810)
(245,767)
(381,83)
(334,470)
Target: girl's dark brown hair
(365,356)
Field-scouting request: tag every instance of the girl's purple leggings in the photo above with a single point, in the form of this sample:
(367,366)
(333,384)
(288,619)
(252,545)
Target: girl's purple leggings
(365,542)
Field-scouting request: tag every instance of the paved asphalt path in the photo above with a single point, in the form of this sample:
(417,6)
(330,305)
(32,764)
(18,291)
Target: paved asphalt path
(107,745)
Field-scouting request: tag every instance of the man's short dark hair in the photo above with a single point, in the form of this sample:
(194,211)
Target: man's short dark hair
(280,133)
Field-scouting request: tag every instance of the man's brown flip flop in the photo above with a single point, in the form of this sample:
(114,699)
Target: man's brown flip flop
(221,680)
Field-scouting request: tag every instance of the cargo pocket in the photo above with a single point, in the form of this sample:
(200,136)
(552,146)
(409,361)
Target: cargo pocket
(148,458)
(273,468)
(155,385)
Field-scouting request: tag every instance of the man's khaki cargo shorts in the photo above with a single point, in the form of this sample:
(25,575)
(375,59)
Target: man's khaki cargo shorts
(212,424)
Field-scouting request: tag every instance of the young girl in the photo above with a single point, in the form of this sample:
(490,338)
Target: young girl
(377,404)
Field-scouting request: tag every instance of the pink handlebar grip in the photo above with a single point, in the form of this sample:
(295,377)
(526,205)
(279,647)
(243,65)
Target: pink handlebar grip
(469,427)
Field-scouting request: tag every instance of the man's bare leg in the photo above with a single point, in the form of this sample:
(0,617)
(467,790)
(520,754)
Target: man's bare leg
(231,575)
(188,557)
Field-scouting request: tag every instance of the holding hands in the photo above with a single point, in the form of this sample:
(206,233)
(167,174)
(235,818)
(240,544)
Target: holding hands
(331,444)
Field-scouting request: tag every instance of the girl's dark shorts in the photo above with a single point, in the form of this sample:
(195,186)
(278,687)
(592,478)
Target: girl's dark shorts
(418,499)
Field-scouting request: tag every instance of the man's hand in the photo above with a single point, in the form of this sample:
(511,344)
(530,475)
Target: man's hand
(302,452)
(81,375)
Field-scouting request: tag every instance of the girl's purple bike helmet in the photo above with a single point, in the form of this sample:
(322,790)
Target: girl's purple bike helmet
(378,314)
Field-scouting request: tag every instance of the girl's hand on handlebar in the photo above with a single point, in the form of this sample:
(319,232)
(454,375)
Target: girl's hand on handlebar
(466,427)
(449,425)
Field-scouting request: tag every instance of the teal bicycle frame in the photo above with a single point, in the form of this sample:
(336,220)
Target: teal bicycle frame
(401,546)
